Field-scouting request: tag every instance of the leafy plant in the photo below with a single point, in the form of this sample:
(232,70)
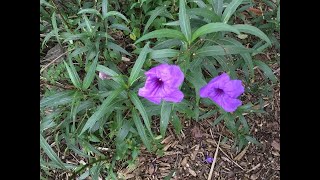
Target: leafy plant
(105,121)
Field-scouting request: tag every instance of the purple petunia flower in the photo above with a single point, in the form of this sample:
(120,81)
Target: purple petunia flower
(163,83)
(224,92)
(103,75)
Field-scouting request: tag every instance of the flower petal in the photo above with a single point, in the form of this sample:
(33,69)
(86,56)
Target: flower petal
(227,103)
(220,81)
(217,82)
(175,96)
(146,93)
(233,88)
(176,77)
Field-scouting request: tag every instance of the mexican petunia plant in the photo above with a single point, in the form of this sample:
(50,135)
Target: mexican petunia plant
(191,59)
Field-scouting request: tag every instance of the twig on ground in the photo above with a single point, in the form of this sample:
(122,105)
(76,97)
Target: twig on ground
(214,160)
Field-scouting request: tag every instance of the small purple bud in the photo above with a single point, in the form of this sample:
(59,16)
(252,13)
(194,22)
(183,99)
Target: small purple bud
(103,75)
(209,159)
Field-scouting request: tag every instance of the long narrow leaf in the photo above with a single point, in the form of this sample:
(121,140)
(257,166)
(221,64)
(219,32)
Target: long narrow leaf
(184,20)
(230,9)
(252,30)
(162,33)
(140,128)
(165,116)
(266,69)
(115,13)
(115,76)
(116,47)
(163,53)
(153,16)
(218,6)
(101,110)
(138,64)
(73,74)
(222,50)
(137,103)
(51,154)
(59,98)
(213,27)
(55,27)
(91,73)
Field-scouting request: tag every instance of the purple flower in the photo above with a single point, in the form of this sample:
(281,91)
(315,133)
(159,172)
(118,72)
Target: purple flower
(209,159)
(103,75)
(163,83)
(224,92)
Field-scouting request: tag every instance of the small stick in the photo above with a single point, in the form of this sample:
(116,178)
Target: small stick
(53,61)
(226,153)
(214,159)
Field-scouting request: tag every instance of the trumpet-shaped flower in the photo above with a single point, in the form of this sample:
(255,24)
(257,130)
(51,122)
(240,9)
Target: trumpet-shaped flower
(224,92)
(163,83)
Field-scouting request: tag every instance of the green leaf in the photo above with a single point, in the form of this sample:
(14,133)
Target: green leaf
(222,61)
(101,110)
(163,53)
(137,103)
(47,38)
(155,14)
(217,6)
(253,140)
(176,123)
(230,123)
(217,50)
(123,131)
(57,99)
(165,112)
(168,33)
(230,9)
(115,76)
(116,47)
(120,26)
(172,23)
(213,27)
(248,60)
(45,3)
(138,64)
(184,20)
(78,51)
(91,73)
(218,120)
(72,37)
(245,28)
(74,148)
(140,128)
(208,114)
(167,44)
(115,13)
(206,13)
(51,154)
(244,123)
(73,74)
(278,14)
(55,27)
(267,71)
(90,11)
(104,7)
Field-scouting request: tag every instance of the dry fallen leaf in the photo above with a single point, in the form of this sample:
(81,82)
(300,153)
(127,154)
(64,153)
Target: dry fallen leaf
(192,172)
(196,132)
(151,169)
(184,161)
(275,145)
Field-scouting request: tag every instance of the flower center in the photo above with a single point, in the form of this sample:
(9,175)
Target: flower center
(158,82)
(218,91)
